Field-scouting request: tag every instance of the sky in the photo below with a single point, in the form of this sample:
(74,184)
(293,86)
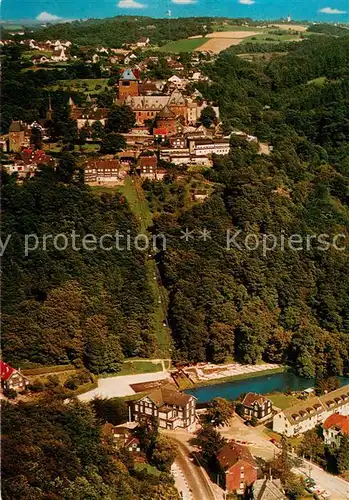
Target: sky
(60,10)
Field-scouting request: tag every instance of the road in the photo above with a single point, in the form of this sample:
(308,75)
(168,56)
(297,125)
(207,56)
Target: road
(195,478)
(337,487)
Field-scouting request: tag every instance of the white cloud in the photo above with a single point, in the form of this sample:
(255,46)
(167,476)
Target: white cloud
(46,17)
(130,4)
(246,2)
(183,2)
(329,10)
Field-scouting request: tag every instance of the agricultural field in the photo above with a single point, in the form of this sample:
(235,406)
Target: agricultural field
(185,45)
(88,85)
(271,38)
(221,40)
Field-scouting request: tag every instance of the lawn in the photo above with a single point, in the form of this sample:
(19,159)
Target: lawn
(282,401)
(270,38)
(185,45)
(149,469)
(88,148)
(134,367)
(133,191)
(81,85)
(38,53)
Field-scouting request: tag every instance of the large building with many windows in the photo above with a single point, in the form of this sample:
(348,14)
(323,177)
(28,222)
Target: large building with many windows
(312,412)
(171,408)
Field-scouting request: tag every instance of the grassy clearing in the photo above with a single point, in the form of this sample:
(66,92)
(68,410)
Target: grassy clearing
(37,53)
(149,469)
(281,400)
(185,45)
(133,191)
(318,81)
(87,148)
(103,189)
(87,85)
(242,376)
(270,38)
(136,367)
(233,27)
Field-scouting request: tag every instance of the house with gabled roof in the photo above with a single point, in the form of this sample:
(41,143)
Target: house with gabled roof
(334,427)
(238,466)
(268,489)
(122,437)
(257,406)
(171,408)
(12,378)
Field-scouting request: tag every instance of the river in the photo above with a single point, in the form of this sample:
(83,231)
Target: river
(262,385)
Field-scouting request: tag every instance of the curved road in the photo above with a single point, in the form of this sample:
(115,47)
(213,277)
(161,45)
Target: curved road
(195,476)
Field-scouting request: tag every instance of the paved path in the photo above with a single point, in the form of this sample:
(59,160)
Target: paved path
(195,477)
(113,387)
(181,482)
(337,487)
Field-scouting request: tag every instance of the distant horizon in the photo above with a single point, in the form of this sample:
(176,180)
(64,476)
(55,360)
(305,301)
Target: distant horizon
(47,11)
(32,21)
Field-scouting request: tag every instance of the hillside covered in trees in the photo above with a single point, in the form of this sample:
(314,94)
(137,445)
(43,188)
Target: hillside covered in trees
(284,305)
(56,451)
(71,306)
(115,31)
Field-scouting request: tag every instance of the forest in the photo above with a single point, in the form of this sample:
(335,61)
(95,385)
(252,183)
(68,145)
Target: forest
(284,306)
(56,451)
(115,31)
(84,307)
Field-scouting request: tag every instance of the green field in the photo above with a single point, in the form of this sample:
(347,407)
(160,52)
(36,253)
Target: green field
(270,38)
(134,367)
(232,27)
(282,401)
(86,85)
(185,45)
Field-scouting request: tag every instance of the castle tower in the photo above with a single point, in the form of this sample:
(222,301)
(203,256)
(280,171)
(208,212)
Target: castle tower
(167,119)
(16,136)
(128,83)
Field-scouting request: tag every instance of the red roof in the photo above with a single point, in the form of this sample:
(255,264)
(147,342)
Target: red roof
(148,161)
(337,420)
(252,398)
(35,156)
(160,131)
(5,371)
(235,459)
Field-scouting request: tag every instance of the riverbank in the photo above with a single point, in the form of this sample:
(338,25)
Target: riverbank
(262,383)
(241,376)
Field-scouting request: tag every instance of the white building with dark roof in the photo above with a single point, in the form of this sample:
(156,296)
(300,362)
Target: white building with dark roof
(307,414)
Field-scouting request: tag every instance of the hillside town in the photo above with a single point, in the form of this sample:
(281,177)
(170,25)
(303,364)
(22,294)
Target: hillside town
(199,370)
(169,122)
(244,429)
